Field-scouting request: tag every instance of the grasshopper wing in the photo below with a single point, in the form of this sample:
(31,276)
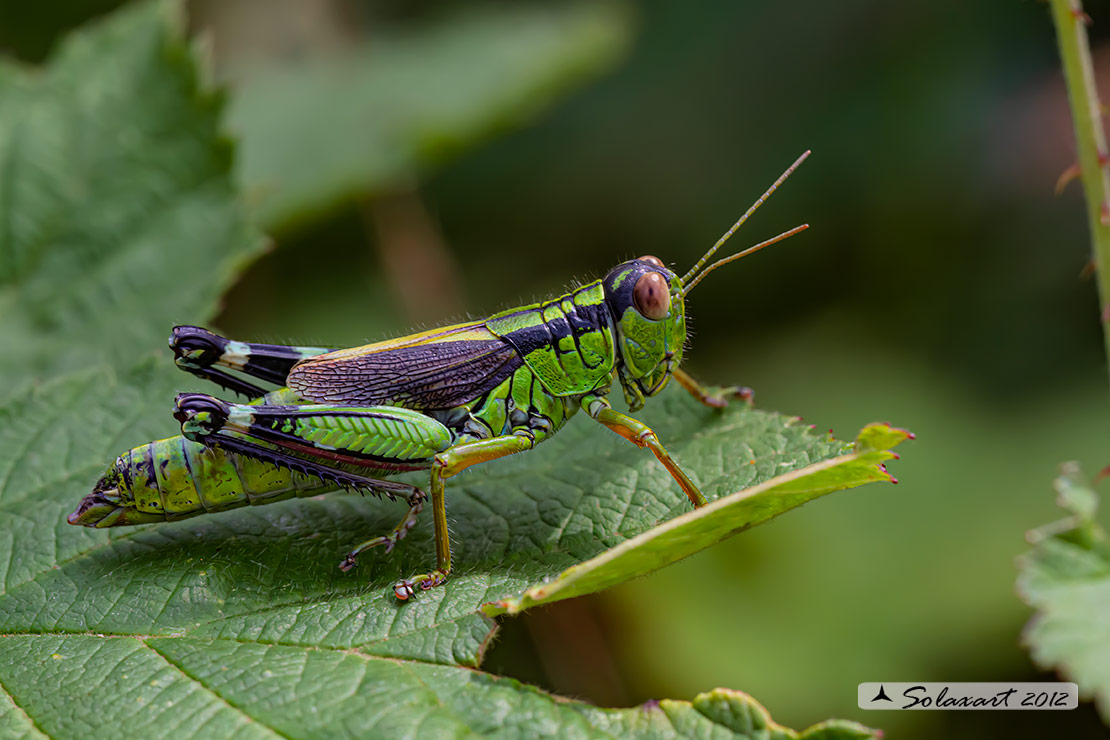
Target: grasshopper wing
(438,369)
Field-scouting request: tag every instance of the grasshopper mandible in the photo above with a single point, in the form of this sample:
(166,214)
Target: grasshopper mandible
(442,400)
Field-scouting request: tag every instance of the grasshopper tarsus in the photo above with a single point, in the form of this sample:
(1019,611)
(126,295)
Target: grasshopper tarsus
(404,590)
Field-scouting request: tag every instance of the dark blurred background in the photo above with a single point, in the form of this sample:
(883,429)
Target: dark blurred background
(939,288)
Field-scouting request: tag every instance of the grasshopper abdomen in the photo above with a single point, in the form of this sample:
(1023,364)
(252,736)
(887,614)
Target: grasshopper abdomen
(176,478)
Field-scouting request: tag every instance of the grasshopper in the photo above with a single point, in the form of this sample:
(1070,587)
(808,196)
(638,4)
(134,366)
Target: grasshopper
(440,400)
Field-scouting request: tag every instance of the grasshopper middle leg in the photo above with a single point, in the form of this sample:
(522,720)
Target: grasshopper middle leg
(416,500)
(449,463)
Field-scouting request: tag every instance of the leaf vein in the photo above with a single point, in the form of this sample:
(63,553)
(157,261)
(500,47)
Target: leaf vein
(199,682)
(31,720)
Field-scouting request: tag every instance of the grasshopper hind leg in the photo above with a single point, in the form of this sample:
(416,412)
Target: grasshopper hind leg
(209,421)
(209,356)
(337,444)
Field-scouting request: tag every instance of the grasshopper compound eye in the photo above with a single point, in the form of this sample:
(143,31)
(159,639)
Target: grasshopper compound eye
(652,296)
(653,260)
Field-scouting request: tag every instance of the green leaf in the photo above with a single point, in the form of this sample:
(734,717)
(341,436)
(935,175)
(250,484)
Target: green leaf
(695,530)
(319,131)
(255,594)
(184,687)
(518,524)
(241,624)
(117,213)
(1066,578)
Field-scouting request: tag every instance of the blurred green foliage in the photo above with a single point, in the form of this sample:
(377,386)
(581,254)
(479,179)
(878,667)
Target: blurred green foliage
(939,286)
(407,100)
(1066,578)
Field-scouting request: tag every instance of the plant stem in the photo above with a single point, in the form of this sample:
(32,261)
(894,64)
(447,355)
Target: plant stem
(1090,140)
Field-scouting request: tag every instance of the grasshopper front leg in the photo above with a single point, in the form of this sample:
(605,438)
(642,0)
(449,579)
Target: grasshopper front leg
(641,435)
(713,397)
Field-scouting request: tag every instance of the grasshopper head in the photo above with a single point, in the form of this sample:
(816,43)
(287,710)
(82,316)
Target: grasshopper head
(645,299)
(648,303)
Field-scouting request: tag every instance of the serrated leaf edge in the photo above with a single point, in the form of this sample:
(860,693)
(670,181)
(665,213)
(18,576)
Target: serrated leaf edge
(542,593)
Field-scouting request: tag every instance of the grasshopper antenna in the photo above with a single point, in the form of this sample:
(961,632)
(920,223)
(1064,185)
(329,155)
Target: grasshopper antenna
(784,235)
(687,285)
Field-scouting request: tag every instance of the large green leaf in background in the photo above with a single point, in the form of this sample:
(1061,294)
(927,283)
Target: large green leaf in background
(1066,578)
(317,131)
(114,190)
(241,624)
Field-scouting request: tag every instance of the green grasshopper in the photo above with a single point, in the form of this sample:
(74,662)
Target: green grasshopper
(443,400)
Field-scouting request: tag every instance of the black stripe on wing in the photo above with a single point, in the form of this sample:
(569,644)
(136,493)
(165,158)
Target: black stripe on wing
(422,376)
